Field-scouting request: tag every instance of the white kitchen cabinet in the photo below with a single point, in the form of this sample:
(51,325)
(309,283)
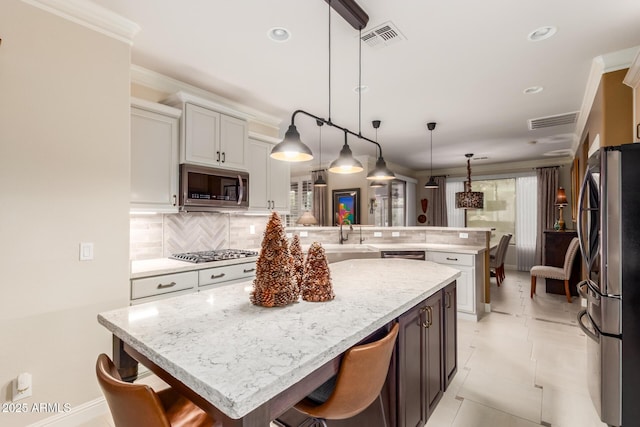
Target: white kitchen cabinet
(154,157)
(212,134)
(202,277)
(470,287)
(269,183)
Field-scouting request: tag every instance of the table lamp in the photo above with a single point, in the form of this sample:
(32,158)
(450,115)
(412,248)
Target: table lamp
(561,202)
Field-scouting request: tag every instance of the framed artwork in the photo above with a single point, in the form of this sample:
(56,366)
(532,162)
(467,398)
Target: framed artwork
(575,188)
(346,205)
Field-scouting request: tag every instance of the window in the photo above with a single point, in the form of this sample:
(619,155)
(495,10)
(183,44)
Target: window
(300,200)
(499,207)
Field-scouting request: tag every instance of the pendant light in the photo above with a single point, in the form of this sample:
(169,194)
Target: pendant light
(431,183)
(345,163)
(376,183)
(291,149)
(320,182)
(380,172)
(469,199)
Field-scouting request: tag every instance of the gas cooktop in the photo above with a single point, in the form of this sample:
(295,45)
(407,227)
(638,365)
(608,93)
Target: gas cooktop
(216,255)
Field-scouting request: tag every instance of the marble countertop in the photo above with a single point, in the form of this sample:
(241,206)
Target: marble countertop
(238,356)
(159,266)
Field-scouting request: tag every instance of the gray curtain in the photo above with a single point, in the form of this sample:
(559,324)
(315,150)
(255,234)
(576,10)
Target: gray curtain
(439,200)
(547,188)
(319,199)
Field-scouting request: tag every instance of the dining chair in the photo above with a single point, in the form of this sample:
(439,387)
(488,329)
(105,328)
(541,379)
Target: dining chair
(559,273)
(135,405)
(363,371)
(496,260)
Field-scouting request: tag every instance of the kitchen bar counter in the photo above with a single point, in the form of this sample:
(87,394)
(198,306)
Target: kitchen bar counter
(160,266)
(238,356)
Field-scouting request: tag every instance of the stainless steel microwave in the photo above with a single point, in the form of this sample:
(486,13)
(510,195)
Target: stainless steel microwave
(211,189)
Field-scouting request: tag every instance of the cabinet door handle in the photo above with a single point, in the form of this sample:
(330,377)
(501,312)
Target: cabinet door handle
(218,156)
(429,317)
(452,259)
(175,200)
(638,131)
(224,157)
(165,286)
(217,276)
(249,270)
(447,299)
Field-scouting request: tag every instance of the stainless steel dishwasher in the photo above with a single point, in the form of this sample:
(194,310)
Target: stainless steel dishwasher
(417,255)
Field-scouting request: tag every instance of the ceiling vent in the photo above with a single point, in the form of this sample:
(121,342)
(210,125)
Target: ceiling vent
(383,35)
(550,121)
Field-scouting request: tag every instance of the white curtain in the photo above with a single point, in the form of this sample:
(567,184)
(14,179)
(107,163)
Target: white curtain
(455,217)
(526,221)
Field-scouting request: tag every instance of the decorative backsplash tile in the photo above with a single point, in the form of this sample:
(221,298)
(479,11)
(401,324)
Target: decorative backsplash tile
(158,236)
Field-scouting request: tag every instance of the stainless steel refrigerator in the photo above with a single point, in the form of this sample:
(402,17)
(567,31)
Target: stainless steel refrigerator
(609,232)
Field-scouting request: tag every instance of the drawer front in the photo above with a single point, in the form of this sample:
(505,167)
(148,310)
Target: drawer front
(215,275)
(450,258)
(158,285)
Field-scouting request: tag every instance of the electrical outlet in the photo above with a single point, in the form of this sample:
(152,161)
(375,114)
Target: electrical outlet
(304,234)
(395,234)
(252,229)
(289,235)
(377,234)
(464,235)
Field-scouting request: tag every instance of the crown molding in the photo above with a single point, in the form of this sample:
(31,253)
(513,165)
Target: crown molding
(633,75)
(91,16)
(160,82)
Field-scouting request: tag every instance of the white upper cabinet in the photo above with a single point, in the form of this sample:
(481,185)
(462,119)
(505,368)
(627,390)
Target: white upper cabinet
(154,157)
(210,136)
(269,182)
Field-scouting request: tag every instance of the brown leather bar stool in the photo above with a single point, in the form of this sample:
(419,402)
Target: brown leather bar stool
(135,405)
(359,381)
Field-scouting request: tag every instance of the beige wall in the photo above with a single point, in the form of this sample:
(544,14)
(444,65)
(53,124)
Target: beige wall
(64,179)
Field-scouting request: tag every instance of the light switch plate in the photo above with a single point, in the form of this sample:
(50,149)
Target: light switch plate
(377,234)
(464,235)
(86,251)
(395,234)
(304,234)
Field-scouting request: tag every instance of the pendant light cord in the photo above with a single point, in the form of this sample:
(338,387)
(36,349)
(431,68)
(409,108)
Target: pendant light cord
(360,83)
(329,2)
(431,167)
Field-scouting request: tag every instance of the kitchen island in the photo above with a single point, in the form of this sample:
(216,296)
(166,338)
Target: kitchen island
(246,364)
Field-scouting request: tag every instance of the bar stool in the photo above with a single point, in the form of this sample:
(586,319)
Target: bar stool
(135,405)
(359,381)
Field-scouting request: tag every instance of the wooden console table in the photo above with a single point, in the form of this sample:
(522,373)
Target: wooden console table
(555,247)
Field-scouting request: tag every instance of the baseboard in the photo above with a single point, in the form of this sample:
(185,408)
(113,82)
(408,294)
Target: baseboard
(77,415)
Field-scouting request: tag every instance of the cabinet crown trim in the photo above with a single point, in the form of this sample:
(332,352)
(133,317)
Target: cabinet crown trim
(154,107)
(181,97)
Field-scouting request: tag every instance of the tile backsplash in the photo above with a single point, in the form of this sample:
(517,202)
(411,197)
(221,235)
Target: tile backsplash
(158,236)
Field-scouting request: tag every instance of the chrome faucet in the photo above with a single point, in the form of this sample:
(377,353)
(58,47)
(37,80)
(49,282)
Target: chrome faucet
(343,238)
(361,238)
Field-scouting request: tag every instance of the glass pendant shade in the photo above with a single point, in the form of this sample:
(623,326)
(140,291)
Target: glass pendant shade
(291,149)
(345,163)
(381,172)
(431,183)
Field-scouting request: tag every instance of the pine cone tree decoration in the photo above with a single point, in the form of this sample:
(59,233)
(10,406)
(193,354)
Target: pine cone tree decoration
(297,261)
(274,284)
(316,281)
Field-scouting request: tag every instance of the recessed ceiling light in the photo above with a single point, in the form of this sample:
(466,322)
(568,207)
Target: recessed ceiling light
(542,33)
(361,88)
(279,34)
(533,89)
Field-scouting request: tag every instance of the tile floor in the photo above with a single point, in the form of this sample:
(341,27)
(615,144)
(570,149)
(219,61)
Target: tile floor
(522,365)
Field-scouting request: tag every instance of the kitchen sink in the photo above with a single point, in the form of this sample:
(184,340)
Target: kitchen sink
(337,252)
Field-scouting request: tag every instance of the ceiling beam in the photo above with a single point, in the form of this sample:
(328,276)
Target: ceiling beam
(351,12)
